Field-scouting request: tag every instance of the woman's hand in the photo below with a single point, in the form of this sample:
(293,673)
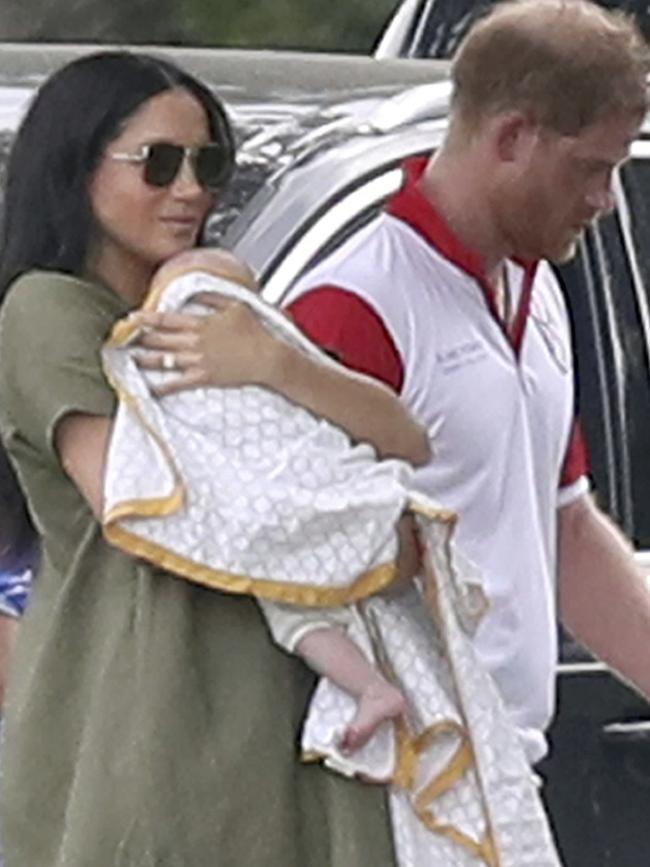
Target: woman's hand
(228,348)
(232,348)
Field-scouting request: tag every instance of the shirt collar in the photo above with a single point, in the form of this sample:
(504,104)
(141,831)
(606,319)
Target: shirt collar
(411,206)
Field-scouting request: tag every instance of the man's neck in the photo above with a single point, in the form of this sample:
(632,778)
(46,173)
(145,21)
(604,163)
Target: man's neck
(455,186)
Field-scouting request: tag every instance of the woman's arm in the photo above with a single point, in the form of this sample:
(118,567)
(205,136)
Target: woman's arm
(82,442)
(232,348)
(365,408)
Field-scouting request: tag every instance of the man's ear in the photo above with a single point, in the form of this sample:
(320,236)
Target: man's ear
(513,134)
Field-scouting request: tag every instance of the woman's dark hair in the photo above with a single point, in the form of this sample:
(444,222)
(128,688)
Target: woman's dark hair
(17,535)
(47,222)
(75,114)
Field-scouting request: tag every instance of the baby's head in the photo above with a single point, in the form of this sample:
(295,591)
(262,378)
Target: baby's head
(215,261)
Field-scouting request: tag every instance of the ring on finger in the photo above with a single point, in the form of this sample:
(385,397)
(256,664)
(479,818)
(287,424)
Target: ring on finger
(168,361)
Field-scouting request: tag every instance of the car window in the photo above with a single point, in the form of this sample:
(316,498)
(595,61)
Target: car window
(613,375)
(634,316)
(635,179)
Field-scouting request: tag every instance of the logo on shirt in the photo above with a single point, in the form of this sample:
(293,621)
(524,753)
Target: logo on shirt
(460,355)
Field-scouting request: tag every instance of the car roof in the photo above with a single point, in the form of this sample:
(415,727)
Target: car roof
(247,76)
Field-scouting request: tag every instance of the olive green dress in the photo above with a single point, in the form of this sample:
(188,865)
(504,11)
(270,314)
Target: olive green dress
(149,721)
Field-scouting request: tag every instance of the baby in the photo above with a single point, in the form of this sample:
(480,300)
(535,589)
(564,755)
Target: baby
(318,635)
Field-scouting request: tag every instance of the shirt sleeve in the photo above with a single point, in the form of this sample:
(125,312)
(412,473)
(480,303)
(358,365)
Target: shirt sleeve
(51,332)
(348,328)
(573,479)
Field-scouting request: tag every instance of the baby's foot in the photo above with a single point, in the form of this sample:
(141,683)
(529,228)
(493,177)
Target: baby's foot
(381,701)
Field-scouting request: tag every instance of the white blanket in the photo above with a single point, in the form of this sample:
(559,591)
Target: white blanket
(242,491)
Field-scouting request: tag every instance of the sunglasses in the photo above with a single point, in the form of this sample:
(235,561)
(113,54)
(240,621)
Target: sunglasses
(162,161)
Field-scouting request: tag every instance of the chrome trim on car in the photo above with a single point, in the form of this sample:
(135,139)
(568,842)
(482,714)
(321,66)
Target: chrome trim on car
(332,221)
(424,102)
(394,37)
(572,669)
(625,221)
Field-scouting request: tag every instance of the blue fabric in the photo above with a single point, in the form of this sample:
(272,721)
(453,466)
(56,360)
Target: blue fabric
(14,588)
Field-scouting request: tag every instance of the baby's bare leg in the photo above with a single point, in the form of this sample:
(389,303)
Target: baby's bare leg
(329,651)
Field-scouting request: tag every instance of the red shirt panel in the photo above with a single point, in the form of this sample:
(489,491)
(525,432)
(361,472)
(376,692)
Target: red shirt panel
(344,325)
(576,462)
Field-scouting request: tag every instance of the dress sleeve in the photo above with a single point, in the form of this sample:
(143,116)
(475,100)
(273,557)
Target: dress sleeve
(344,325)
(51,331)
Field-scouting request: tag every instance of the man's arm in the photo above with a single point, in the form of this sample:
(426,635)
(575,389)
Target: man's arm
(603,595)
(349,329)
(233,348)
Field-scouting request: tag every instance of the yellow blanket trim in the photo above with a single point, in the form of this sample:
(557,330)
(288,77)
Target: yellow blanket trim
(125,329)
(445,516)
(459,764)
(311,756)
(368,584)
(485,850)
(122,332)
(153,508)
(409,750)
(407,756)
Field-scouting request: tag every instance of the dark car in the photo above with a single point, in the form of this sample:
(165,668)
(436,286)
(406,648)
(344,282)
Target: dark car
(321,140)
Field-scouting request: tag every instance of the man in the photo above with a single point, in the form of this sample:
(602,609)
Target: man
(447,298)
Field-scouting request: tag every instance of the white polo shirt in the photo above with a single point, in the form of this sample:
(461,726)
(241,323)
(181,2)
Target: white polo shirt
(499,408)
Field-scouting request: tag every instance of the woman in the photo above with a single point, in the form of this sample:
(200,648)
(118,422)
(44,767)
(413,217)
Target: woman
(150,721)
